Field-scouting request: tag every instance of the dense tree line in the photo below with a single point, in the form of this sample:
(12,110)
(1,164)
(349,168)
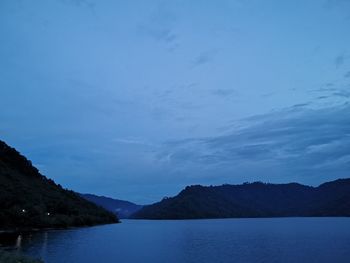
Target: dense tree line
(253,200)
(30,200)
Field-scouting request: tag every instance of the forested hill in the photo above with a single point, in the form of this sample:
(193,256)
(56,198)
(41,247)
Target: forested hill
(123,209)
(30,200)
(253,200)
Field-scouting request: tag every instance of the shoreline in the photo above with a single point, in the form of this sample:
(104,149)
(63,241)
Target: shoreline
(35,229)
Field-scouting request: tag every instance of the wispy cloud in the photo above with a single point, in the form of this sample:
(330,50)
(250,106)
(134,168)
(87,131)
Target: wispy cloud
(160,25)
(339,60)
(301,105)
(204,57)
(342,93)
(132,141)
(224,92)
(159,33)
(333,92)
(295,140)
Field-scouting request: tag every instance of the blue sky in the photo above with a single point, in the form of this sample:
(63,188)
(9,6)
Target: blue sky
(137,99)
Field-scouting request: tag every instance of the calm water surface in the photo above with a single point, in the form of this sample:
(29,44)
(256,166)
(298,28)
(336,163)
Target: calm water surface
(226,240)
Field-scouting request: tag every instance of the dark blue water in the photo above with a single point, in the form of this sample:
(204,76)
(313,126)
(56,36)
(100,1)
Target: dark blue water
(228,240)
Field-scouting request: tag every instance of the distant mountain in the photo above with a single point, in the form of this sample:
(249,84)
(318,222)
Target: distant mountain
(123,209)
(30,200)
(253,200)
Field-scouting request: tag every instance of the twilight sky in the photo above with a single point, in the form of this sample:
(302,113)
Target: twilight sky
(137,99)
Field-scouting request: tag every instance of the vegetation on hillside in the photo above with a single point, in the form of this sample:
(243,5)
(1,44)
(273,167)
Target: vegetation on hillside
(253,200)
(30,200)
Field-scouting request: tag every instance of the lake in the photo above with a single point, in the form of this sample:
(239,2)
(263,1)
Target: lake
(293,240)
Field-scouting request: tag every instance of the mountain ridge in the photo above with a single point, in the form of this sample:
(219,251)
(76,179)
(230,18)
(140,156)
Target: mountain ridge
(122,208)
(255,199)
(31,200)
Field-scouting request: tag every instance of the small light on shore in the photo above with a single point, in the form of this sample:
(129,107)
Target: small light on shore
(48,214)
(23,210)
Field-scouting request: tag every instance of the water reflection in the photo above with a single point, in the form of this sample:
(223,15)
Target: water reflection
(18,241)
(290,240)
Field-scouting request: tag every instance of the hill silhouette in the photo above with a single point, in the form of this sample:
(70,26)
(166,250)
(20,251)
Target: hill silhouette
(30,200)
(253,200)
(123,209)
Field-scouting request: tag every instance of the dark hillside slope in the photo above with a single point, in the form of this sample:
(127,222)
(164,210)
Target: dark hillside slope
(30,200)
(123,209)
(253,200)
